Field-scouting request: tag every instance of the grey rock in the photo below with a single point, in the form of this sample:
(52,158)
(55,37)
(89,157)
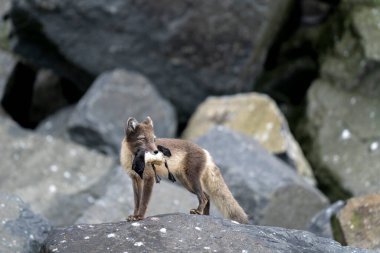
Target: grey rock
(187,233)
(57,124)
(343,116)
(188,49)
(100,117)
(320,224)
(57,178)
(48,95)
(7,65)
(21,230)
(268,190)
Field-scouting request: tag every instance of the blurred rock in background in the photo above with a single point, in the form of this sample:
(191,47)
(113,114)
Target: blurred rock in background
(271,192)
(255,115)
(99,119)
(359,222)
(188,49)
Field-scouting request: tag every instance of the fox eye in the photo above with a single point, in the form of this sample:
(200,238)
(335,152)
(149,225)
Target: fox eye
(141,138)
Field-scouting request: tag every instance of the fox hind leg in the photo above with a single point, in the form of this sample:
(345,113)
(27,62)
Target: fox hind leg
(202,198)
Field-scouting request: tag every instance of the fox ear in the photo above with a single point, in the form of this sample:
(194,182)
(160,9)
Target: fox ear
(131,125)
(148,121)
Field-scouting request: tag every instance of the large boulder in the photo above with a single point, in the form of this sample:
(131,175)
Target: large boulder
(359,221)
(21,230)
(58,179)
(56,124)
(268,190)
(99,119)
(7,66)
(187,233)
(343,106)
(189,49)
(253,114)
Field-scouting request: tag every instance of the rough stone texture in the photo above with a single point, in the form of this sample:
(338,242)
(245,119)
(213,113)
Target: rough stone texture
(117,203)
(100,117)
(187,233)
(56,125)
(360,221)
(7,65)
(21,230)
(255,115)
(58,179)
(267,189)
(320,224)
(189,49)
(343,115)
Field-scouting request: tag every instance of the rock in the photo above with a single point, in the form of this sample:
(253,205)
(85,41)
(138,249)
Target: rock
(57,178)
(7,66)
(314,11)
(99,119)
(117,203)
(4,26)
(359,221)
(57,124)
(268,190)
(21,230)
(188,50)
(320,224)
(183,233)
(48,96)
(343,115)
(255,115)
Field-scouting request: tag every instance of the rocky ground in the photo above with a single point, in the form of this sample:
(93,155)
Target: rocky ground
(283,94)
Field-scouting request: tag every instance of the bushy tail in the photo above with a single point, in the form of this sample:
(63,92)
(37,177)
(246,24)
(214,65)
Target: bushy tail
(221,196)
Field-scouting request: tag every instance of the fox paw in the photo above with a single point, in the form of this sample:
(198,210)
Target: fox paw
(195,211)
(135,217)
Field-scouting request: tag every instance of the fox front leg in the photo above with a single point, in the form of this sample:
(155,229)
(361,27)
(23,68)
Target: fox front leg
(145,196)
(137,192)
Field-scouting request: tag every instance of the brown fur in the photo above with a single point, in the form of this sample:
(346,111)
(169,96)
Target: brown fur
(190,164)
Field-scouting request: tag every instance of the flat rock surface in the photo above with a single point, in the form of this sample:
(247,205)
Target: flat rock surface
(187,233)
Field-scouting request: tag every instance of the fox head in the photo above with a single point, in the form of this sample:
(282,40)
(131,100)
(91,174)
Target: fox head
(140,136)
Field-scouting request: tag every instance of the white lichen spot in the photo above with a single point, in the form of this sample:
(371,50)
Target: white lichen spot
(269,125)
(199,238)
(163,230)
(52,188)
(374,146)
(176,202)
(66,174)
(73,152)
(235,222)
(353,101)
(155,219)
(49,138)
(2,205)
(244,251)
(336,158)
(31,237)
(198,228)
(54,250)
(86,237)
(53,168)
(138,244)
(136,224)
(345,135)
(206,247)
(112,235)
(63,241)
